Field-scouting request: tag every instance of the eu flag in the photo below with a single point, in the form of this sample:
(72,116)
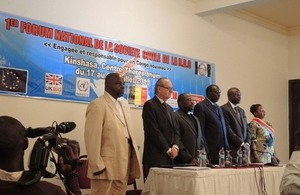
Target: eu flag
(13,80)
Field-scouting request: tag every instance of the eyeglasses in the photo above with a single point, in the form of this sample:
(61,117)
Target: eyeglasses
(167,88)
(189,99)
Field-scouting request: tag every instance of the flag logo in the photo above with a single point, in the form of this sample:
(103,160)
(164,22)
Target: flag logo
(13,80)
(53,79)
(53,83)
(137,95)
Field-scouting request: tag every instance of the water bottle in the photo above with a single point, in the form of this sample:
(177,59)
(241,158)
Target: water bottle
(228,159)
(240,156)
(222,157)
(245,157)
(202,158)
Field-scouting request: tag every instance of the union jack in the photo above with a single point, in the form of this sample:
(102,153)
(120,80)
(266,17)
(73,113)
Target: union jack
(53,79)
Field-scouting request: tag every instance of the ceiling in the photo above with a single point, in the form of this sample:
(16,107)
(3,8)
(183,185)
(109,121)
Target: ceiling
(282,16)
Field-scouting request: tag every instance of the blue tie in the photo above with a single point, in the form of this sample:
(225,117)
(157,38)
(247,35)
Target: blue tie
(221,116)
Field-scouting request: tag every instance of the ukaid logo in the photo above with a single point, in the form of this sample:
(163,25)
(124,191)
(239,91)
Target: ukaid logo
(53,83)
(82,87)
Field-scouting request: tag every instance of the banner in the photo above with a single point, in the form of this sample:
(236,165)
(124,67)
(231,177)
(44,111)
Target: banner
(41,60)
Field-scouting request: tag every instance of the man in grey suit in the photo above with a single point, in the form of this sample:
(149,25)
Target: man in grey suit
(212,122)
(190,131)
(236,123)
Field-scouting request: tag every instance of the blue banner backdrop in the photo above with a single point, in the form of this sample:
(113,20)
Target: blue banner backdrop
(48,61)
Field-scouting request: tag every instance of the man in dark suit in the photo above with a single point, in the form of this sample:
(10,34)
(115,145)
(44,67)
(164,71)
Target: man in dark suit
(161,134)
(236,123)
(212,122)
(190,131)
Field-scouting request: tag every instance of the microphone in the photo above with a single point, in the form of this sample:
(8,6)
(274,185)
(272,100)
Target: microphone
(36,132)
(65,127)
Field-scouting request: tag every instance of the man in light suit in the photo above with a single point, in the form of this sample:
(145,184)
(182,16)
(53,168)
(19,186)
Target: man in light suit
(110,142)
(212,122)
(290,182)
(161,132)
(236,123)
(190,131)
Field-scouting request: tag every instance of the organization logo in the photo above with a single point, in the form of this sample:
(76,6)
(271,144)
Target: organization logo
(53,83)
(82,87)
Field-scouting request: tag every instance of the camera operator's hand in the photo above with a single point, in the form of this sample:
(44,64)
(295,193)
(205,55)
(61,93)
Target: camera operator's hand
(68,169)
(72,152)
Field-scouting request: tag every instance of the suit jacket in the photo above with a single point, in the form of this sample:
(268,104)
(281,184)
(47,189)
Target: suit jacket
(237,130)
(106,144)
(190,134)
(212,124)
(160,133)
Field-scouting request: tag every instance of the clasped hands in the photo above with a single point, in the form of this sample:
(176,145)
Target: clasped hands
(173,152)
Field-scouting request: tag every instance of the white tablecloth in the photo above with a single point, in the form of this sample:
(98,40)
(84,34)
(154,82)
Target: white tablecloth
(216,181)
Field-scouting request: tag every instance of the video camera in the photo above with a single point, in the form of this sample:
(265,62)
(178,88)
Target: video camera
(49,141)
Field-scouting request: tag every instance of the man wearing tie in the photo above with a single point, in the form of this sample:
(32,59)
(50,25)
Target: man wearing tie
(190,131)
(161,134)
(236,123)
(212,123)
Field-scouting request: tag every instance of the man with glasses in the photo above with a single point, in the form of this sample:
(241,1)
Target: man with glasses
(190,131)
(161,144)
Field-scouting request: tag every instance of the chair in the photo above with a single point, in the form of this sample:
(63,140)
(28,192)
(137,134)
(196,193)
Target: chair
(85,183)
(134,191)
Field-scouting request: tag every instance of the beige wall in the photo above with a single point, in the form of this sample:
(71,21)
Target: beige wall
(294,57)
(255,59)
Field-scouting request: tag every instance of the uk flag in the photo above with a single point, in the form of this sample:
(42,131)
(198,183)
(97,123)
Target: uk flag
(53,79)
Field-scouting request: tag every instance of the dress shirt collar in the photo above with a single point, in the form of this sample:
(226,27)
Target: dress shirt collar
(112,98)
(233,106)
(161,101)
(186,111)
(211,102)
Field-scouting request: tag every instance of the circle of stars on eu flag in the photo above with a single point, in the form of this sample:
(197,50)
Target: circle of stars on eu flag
(10,80)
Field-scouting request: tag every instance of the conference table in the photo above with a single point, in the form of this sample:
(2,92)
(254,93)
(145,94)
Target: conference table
(250,180)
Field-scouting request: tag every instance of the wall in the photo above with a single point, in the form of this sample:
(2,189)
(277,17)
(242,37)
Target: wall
(246,55)
(294,57)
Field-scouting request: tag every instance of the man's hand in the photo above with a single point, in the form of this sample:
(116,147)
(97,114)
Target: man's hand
(72,151)
(195,162)
(246,147)
(174,152)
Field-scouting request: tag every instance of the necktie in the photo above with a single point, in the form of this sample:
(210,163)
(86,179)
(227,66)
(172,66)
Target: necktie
(238,114)
(167,111)
(222,120)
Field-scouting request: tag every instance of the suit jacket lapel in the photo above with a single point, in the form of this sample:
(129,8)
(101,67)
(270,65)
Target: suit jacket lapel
(111,104)
(159,104)
(188,121)
(233,112)
(240,122)
(211,107)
